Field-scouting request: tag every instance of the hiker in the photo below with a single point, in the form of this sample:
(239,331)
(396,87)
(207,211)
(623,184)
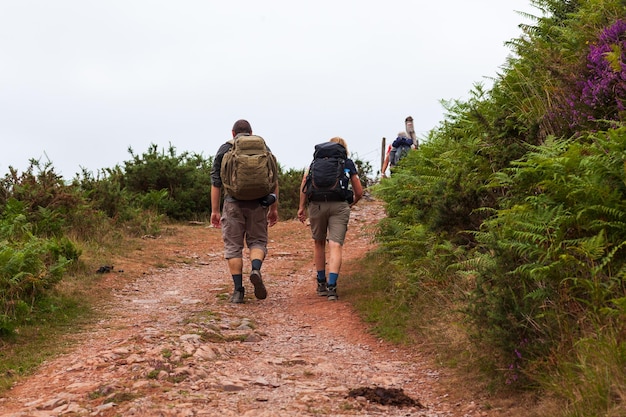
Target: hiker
(246,216)
(396,151)
(329,208)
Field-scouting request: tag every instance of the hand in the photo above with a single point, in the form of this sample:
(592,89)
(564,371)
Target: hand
(272,217)
(302,215)
(216,220)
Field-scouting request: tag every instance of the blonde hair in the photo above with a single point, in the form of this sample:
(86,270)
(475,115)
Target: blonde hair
(340,141)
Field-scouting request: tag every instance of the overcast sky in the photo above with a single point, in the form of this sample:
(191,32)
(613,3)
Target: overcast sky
(81,81)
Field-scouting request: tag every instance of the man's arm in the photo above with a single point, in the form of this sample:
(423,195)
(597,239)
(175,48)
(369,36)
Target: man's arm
(216,194)
(216,184)
(302,205)
(272,215)
(385,165)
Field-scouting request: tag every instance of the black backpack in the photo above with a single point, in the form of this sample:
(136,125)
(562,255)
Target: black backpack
(328,179)
(400,148)
(398,153)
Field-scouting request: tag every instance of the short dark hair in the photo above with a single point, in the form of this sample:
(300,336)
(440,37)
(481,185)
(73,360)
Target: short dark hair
(242,126)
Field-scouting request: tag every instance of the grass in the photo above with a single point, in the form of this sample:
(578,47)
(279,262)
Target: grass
(59,318)
(595,380)
(50,331)
(427,321)
(372,294)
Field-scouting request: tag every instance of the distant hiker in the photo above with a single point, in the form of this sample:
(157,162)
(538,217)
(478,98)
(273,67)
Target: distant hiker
(329,188)
(247,171)
(396,151)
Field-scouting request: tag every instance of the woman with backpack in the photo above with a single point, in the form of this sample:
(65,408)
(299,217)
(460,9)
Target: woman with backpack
(329,188)
(396,151)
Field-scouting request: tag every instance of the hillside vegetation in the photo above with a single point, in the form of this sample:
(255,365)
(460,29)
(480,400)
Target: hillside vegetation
(511,216)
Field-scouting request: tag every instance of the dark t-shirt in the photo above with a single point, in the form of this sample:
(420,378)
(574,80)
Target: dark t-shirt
(216,177)
(351,167)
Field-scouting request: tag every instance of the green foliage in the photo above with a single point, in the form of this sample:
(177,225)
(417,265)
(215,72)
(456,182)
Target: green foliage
(516,212)
(365,171)
(289,183)
(175,185)
(557,246)
(544,83)
(105,192)
(45,198)
(109,206)
(29,266)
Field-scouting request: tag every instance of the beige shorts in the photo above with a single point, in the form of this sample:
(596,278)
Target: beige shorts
(243,221)
(329,220)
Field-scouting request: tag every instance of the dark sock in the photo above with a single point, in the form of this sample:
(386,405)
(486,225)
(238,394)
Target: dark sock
(332,278)
(321,276)
(256,264)
(238,281)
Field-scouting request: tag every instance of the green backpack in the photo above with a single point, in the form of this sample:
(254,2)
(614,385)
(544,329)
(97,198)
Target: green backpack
(249,170)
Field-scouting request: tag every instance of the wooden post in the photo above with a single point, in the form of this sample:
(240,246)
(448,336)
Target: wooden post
(410,130)
(383,150)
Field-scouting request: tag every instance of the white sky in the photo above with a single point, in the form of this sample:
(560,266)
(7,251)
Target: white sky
(81,81)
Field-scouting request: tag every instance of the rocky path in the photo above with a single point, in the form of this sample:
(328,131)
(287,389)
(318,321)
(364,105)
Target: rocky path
(172,345)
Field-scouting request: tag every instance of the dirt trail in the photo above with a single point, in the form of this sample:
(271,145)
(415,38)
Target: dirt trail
(172,345)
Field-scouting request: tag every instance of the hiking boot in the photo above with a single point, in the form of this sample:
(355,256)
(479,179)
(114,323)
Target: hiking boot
(321,288)
(259,289)
(237,297)
(332,293)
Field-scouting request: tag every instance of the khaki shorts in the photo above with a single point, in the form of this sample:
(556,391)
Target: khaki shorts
(243,220)
(329,220)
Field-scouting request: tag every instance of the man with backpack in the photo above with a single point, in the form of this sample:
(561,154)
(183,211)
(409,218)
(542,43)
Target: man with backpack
(396,151)
(326,190)
(247,171)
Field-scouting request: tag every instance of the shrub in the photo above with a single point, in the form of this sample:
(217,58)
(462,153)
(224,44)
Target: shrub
(552,260)
(175,185)
(29,266)
(289,185)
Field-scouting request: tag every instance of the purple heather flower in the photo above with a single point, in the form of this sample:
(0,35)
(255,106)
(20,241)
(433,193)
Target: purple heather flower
(605,88)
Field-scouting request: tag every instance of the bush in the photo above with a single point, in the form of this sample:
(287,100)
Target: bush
(29,266)
(552,260)
(44,198)
(175,185)
(289,185)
